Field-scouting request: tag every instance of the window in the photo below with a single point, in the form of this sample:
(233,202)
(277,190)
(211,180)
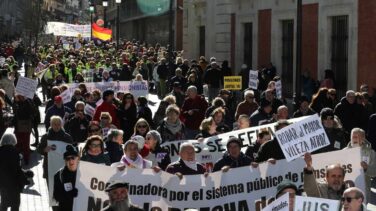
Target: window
(339,52)
(287,57)
(248,44)
(202,40)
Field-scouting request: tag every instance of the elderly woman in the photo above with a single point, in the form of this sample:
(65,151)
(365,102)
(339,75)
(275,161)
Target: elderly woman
(358,139)
(55,132)
(12,177)
(114,145)
(106,123)
(141,128)
(160,114)
(132,158)
(207,128)
(172,128)
(158,156)
(93,151)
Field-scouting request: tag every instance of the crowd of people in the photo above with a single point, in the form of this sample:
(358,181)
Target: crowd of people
(124,132)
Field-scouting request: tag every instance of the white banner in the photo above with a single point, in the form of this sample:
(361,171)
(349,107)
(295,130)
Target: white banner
(311,203)
(68,30)
(139,88)
(26,87)
(211,149)
(307,135)
(244,188)
(55,163)
(278,89)
(280,204)
(253,79)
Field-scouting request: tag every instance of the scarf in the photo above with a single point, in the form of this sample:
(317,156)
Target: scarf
(173,127)
(139,163)
(191,164)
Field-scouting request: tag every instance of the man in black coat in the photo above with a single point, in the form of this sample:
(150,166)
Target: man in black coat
(65,180)
(118,195)
(233,158)
(349,112)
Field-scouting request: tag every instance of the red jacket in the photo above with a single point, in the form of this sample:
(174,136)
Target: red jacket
(199,106)
(107,107)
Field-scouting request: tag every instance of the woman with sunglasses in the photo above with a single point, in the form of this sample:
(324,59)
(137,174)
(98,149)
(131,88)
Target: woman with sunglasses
(141,128)
(93,151)
(106,123)
(127,114)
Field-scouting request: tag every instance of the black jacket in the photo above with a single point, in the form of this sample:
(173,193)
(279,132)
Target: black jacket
(127,119)
(161,156)
(338,139)
(77,127)
(52,136)
(114,151)
(351,115)
(167,135)
(65,179)
(179,166)
(270,149)
(227,160)
(12,176)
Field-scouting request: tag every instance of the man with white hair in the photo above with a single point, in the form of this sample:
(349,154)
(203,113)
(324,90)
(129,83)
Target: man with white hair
(349,112)
(119,199)
(248,106)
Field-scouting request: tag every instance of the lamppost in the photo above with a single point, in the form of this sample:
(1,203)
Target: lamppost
(118,2)
(91,9)
(105,4)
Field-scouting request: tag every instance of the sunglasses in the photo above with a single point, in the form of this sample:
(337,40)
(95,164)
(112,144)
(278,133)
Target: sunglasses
(95,145)
(142,126)
(348,199)
(69,158)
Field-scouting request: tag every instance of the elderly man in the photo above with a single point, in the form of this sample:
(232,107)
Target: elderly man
(234,157)
(358,139)
(214,79)
(352,200)
(349,112)
(187,164)
(333,185)
(119,200)
(193,112)
(248,106)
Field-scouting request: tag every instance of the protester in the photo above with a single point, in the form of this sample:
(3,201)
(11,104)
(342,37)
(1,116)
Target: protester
(208,128)
(233,157)
(243,122)
(160,114)
(143,111)
(118,196)
(331,188)
(107,106)
(77,123)
(303,108)
(114,143)
(372,130)
(65,190)
(158,156)
(132,158)
(186,165)
(106,123)
(353,200)
(93,151)
(262,137)
(58,109)
(248,106)
(286,186)
(141,128)
(263,114)
(171,128)
(127,113)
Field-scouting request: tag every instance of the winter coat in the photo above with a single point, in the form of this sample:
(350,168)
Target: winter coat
(24,117)
(107,107)
(179,166)
(12,176)
(351,115)
(127,119)
(114,151)
(77,127)
(245,107)
(199,106)
(54,110)
(146,113)
(98,159)
(270,149)
(64,196)
(160,114)
(167,135)
(227,160)
(259,117)
(51,135)
(338,140)
(160,157)
(214,78)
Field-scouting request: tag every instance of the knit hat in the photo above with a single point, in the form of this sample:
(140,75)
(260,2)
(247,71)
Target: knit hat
(234,140)
(70,151)
(107,93)
(140,141)
(326,112)
(284,185)
(156,135)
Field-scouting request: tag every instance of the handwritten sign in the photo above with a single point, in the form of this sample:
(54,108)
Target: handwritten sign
(26,87)
(278,89)
(232,82)
(253,79)
(301,137)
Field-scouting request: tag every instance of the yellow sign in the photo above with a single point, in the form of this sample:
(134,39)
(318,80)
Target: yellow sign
(233,82)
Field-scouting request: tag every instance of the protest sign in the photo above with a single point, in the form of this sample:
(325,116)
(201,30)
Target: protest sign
(253,79)
(240,189)
(2,61)
(67,30)
(26,87)
(66,96)
(278,89)
(116,86)
(310,204)
(301,137)
(232,82)
(55,162)
(211,149)
(139,88)
(280,204)
(89,110)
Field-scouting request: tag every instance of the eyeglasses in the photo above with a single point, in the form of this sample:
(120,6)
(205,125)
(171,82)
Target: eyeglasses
(69,158)
(142,126)
(94,145)
(348,199)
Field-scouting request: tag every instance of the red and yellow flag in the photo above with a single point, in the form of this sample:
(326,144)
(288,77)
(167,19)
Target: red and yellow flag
(101,33)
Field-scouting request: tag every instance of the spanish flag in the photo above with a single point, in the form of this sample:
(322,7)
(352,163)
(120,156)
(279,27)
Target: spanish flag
(101,33)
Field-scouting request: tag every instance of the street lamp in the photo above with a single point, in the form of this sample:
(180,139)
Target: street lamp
(118,2)
(91,9)
(105,5)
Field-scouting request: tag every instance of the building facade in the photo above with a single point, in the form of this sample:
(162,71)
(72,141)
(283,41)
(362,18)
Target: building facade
(336,35)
